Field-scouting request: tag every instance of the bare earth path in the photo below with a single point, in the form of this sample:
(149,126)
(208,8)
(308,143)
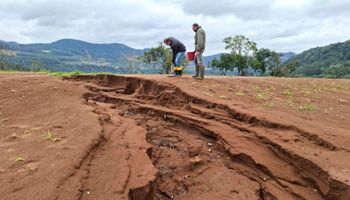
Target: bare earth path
(155,137)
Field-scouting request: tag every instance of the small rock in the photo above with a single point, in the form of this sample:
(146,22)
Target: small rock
(113,106)
(210,144)
(138,123)
(13,136)
(91,102)
(125,113)
(105,117)
(210,150)
(196,160)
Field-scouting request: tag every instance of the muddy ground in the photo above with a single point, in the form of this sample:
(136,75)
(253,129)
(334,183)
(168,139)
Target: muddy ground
(155,137)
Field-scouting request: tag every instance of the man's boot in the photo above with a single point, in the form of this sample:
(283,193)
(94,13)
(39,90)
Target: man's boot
(201,73)
(197,72)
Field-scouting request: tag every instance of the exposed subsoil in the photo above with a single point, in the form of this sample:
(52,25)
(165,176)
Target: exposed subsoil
(136,137)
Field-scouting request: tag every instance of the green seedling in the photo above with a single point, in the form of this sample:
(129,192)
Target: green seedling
(257,88)
(240,93)
(317,90)
(51,137)
(271,106)
(209,94)
(19,159)
(309,107)
(288,93)
(223,97)
(262,96)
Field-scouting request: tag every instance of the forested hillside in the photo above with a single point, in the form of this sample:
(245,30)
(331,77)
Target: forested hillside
(69,55)
(331,61)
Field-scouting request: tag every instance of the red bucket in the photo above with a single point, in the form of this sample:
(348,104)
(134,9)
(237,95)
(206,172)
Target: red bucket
(190,56)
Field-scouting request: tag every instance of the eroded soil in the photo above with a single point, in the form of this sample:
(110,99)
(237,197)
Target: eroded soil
(163,138)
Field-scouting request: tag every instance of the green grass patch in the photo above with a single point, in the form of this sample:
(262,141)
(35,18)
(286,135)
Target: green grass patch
(7,71)
(75,73)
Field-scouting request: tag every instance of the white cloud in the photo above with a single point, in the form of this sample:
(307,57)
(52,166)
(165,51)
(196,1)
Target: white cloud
(282,25)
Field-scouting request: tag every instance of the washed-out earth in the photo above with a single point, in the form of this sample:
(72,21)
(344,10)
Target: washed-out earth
(144,137)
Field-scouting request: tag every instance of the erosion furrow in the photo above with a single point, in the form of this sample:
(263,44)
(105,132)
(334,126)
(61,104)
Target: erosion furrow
(166,94)
(198,129)
(234,142)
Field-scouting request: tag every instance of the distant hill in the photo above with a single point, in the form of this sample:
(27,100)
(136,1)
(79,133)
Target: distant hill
(287,56)
(76,55)
(331,61)
(70,55)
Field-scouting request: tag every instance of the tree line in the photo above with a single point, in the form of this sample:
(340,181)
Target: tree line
(245,55)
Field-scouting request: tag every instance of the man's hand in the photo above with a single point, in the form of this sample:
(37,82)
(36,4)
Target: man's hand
(198,53)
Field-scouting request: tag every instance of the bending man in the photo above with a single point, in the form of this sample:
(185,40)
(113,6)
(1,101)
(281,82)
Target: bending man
(178,49)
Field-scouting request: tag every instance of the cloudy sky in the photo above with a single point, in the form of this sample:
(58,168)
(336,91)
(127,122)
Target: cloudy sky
(282,25)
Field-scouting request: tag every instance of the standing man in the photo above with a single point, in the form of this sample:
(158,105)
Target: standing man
(199,42)
(178,49)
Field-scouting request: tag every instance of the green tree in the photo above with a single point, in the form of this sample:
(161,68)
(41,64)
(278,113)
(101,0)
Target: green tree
(36,66)
(337,71)
(243,50)
(274,63)
(291,66)
(225,63)
(240,45)
(3,49)
(261,57)
(159,57)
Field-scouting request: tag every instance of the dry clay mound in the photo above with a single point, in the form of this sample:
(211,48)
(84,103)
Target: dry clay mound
(146,139)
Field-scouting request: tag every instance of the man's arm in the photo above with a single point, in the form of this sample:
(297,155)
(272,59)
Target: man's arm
(201,41)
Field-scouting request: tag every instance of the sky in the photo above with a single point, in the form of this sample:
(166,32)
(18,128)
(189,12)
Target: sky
(281,25)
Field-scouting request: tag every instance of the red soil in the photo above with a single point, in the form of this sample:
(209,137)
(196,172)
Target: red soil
(155,137)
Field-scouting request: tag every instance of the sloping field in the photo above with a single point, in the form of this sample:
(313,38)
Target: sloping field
(155,137)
